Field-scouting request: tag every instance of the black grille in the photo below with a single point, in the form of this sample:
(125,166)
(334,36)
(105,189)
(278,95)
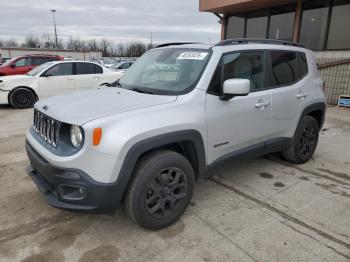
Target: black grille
(46,128)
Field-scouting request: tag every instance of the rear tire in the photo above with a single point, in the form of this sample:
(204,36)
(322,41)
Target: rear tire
(161,189)
(22,98)
(304,141)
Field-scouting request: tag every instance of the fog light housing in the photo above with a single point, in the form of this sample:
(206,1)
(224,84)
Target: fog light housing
(70,192)
(69,175)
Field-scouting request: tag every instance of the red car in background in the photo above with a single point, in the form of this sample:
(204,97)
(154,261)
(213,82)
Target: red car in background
(22,64)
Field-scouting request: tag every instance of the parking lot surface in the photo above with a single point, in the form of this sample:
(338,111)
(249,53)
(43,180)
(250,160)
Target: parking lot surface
(254,210)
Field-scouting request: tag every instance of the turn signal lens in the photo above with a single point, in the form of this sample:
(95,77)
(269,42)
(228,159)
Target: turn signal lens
(97,135)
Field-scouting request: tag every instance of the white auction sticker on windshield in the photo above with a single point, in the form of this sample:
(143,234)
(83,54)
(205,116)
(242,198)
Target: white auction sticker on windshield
(192,56)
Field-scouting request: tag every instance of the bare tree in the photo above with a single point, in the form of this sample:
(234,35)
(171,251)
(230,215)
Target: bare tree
(12,42)
(47,41)
(92,45)
(135,49)
(105,47)
(120,50)
(31,41)
(76,44)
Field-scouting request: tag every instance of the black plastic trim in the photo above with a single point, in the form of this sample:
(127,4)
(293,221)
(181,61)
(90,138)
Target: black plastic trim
(137,150)
(247,152)
(320,106)
(98,197)
(253,151)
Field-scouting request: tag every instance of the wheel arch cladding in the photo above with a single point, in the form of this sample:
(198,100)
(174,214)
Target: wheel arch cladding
(187,142)
(317,111)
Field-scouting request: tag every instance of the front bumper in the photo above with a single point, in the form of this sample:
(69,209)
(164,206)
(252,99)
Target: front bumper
(4,97)
(70,189)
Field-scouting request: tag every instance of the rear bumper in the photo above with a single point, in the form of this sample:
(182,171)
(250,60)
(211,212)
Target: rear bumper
(70,189)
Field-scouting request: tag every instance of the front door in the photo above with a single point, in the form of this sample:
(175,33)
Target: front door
(242,122)
(56,80)
(20,67)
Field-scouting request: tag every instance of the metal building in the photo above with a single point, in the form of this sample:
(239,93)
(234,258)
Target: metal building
(320,25)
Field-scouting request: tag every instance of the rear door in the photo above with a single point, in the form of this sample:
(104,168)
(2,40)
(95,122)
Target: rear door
(287,72)
(56,80)
(36,61)
(241,123)
(87,75)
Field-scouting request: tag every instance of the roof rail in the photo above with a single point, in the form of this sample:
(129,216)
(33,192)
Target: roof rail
(236,41)
(175,43)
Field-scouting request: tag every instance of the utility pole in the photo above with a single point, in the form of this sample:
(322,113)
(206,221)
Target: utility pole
(53,11)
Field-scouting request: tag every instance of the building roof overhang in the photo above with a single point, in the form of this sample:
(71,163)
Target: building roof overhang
(236,6)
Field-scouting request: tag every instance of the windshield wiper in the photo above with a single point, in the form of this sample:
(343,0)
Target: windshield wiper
(141,90)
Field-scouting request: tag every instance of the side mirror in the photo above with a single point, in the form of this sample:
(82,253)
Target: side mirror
(13,65)
(235,87)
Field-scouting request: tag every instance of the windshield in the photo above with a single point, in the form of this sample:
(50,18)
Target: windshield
(8,62)
(170,71)
(39,69)
(116,65)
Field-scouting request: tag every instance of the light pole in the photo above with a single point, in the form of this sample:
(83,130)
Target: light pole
(53,11)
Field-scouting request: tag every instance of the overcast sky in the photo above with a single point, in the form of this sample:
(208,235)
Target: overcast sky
(117,20)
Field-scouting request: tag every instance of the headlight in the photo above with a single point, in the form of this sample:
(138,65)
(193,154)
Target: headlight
(76,136)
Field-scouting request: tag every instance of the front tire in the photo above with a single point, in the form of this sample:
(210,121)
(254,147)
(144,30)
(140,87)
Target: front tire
(22,98)
(304,142)
(161,189)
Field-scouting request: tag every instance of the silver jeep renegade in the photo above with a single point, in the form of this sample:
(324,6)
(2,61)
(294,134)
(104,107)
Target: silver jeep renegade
(178,112)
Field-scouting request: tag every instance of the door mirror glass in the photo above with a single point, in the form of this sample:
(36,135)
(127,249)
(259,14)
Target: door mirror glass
(235,87)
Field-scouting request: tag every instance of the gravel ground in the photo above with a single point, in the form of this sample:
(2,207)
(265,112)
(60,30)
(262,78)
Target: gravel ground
(258,210)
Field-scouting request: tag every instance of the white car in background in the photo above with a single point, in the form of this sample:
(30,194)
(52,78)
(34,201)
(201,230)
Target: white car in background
(53,78)
(122,66)
(108,63)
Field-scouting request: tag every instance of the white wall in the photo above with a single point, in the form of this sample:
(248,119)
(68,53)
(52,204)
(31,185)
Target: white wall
(5,52)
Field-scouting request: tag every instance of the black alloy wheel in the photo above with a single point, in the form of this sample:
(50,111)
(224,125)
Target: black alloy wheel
(304,142)
(161,189)
(165,192)
(307,141)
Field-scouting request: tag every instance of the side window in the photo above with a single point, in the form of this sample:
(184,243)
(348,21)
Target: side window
(98,69)
(60,70)
(84,68)
(22,62)
(247,65)
(38,60)
(215,85)
(284,68)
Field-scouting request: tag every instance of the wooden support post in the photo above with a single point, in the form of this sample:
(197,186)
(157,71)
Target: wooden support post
(297,21)
(223,27)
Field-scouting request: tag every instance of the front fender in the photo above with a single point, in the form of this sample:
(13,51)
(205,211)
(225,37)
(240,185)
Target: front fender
(151,143)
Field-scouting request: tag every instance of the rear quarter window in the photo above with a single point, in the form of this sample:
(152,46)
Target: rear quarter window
(287,67)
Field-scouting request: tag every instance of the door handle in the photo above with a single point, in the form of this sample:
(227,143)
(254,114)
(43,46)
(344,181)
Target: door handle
(262,104)
(301,95)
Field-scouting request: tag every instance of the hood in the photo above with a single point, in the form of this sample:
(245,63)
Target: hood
(84,106)
(16,78)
